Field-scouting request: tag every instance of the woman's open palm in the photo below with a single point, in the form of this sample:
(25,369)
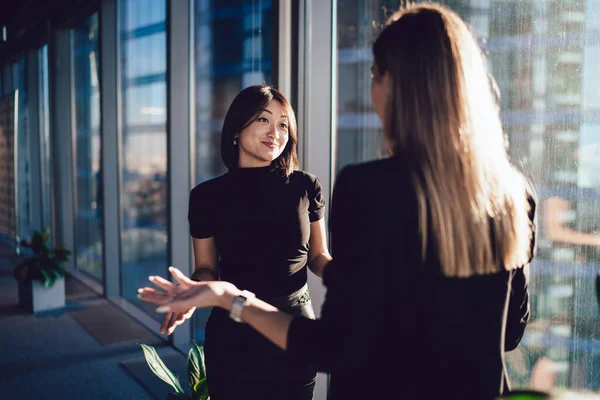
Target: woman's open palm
(172,319)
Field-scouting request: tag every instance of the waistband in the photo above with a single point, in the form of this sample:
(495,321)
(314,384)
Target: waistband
(299,297)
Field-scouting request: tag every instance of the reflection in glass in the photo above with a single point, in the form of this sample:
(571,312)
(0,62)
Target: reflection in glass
(45,135)
(244,28)
(544,56)
(19,79)
(88,194)
(143,166)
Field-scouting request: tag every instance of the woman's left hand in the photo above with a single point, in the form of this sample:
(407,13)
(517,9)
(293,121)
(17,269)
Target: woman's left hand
(189,294)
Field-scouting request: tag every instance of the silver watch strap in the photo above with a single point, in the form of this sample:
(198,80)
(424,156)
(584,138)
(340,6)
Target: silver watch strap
(238,305)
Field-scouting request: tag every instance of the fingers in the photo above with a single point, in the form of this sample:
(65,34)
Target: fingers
(151,295)
(190,312)
(180,276)
(167,321)
(162,283)
(176,320)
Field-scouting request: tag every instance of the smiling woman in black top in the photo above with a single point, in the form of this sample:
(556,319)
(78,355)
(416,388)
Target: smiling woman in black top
(259,226)
(428,286)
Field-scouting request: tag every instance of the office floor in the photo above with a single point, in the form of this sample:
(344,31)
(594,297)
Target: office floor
(88,350)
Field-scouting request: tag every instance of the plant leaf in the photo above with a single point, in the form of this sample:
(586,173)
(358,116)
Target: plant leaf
(20,272)
(46,235)
(48,278)
(37,242)
(193,368)
(201,390)
(200,350)
(160,369)
(57,273)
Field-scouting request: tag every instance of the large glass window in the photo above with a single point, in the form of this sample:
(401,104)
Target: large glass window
(87,138)
(19,79)
(244,28)
(45,136)
(544,56)
(143,166)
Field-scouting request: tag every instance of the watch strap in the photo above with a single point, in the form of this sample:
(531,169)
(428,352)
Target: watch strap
(238,305)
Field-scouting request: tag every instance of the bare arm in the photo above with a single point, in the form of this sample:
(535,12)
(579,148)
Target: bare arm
(205,260)
(556,230)
(265,318)
(318,255)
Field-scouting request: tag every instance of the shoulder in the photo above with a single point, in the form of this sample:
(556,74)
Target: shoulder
(304,178)
(209,186)
(376,173)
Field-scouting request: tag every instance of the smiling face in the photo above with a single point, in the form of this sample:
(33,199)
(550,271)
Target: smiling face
(265,138)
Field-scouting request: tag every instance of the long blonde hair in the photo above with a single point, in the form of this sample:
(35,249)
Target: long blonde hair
(441,113)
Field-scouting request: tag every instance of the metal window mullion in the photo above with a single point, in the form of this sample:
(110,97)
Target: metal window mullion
(284,49)
(179,139)
(316,78)
(35,142)
(110,107)
(61,143)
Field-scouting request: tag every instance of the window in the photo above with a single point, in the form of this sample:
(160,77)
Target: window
(44,90)
(88,157)
(543,56)
(19,80)
(144,186)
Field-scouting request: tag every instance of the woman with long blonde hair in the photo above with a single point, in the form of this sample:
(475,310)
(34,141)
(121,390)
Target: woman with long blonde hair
(428,286)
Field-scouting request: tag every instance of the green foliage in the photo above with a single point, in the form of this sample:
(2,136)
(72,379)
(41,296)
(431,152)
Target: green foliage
(196,371)
(46,263)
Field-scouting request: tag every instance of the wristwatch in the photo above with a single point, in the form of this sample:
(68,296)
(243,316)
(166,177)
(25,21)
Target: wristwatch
(238,305)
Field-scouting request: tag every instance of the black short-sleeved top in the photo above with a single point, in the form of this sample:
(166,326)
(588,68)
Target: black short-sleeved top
(261,224)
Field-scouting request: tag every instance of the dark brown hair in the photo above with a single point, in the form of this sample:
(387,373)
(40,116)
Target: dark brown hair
(244,109)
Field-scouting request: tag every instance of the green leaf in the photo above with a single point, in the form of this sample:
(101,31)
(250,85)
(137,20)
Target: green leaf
(160,369)
(200,353)
(48,278)
(46,235)
(201,390)
(193,368)
(57,273)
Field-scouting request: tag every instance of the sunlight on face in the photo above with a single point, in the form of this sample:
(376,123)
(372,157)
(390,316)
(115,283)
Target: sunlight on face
(264,139)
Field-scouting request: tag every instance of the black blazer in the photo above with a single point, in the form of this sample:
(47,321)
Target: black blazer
(391,325)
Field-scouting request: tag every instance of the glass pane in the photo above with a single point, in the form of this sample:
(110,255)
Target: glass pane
(88,191)
(244,28)
(45,136)
(544,56)
(144,145)
(19,79)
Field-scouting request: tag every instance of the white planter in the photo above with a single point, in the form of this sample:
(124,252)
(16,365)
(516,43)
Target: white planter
(34,297)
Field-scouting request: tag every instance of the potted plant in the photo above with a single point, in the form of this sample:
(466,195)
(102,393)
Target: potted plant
(41,275)
(196,372)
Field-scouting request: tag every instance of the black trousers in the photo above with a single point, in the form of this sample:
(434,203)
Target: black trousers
(241,364)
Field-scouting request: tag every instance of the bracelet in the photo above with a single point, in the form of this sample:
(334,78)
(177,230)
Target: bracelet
(238,305)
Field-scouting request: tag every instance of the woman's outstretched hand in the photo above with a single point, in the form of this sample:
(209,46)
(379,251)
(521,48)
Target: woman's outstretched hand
(172,320)
(182,299)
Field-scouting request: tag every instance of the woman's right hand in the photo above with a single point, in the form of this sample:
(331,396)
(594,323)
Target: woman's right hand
(173,319)
(179,299)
